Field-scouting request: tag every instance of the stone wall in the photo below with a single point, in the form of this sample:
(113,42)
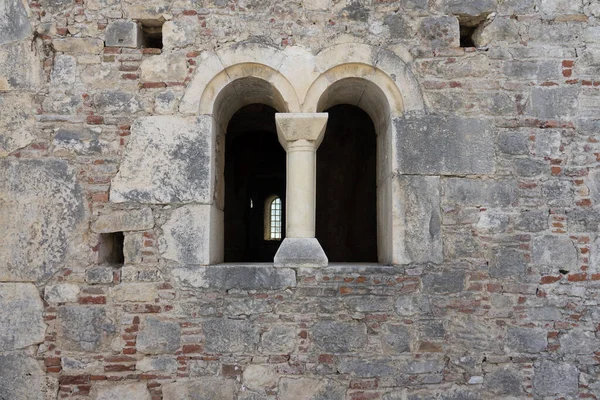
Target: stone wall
(497,174)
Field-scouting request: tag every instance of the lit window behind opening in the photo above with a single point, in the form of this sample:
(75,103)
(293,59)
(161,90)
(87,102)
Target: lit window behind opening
(275,219)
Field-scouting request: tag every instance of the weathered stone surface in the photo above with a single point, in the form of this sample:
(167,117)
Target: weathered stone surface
(478,192)
(513,143)
(555,378)
(579,342)
(78,45)
(553,103)
(300,252)
(118,391)
(167,161)
(367,368)
(20,67)
(412,305)
(529,168)
(84,328)
(594,185)
(417,201)
(370,303)
(56,5)
(179,33)
(554,252)
(557,193)
(82,142)
(123,33)
(243,277)
(14,21)
(230,336)
(61,293)
(99,275)
(471,8)
(526,340)
(280,339)
(164,364)
(40,215)
(498,29)
(134,292)
(207,388)
(124,221)
(508,262)
(158,337)
(260,377)
(504,381)
(444,145)
(532,221)
(584,220)
(339,337)
(116,102)
(21,377)
(400,26)
(64,70)
(16,125)
(164,68)
(311,389)
(396,338)
(21,320)
(440,31)
(447,282)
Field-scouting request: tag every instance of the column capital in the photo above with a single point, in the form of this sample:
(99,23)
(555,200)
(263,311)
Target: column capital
(292,127)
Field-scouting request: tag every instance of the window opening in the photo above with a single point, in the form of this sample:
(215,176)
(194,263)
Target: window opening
(273,227)
(110,250)
(152,33)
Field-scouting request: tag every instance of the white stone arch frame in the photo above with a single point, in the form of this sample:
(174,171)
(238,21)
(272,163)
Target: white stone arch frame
(294,80)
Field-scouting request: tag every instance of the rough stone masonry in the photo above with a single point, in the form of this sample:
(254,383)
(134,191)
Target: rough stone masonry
(491,284)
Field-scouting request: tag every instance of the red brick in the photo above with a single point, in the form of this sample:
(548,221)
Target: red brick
(577,277)
(119,368)
(231,370)
(191,348)
(95,119)
(549,279)
(153,85)
(51,361)
(92,300)
(73,379)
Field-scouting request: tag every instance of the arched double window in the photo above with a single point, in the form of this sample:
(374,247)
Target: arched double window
(273,218)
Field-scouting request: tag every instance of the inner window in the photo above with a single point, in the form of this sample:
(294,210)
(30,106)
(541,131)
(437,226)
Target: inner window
(273,218)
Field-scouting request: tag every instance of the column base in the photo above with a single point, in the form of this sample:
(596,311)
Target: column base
(300,252)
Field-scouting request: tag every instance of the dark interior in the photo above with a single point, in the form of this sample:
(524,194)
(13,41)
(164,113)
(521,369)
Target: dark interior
(346,220)
(254,172)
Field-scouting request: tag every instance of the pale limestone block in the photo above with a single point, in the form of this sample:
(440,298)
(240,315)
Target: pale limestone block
(61,293)
(17,122)
(22,377)
(14,21)
(260,377)
(79,45)
(180,33)
(316,4)
(134,292)
(21,320)
(168,159)
(119,391)
(311,388)
(168,67)
(202,388)
(300,67)
(123,221)
(209,65)
(20,67)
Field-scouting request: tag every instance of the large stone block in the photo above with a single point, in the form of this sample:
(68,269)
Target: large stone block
(21,319)
(159,337)
(189,235)
(504,382)
(555,103)
(78,141)
(440,31)
(339,337)
(40,218)
(16,124)
(478,192)
(279,339)
(244,277)
(367,368)
(116,102)
(470,8)
(14,21)
(170,67)
(417,217)
(300,252)
(179,33)
(20,67)
(123,33)
(579,342)
(507,262)
(84,328)
(526,340)
(206,388)
(168,160)
(311,389)
(22,377)
(79,45)
(446,282)
(396,338)
(557,252)
(124,221)
(555,378)
(64,71)
(115,391)
(444,145)
(230,336)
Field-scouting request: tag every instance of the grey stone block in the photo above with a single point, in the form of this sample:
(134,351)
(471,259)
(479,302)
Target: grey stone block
(124,221)
(250,277)
(508,262)
(21,377)
(444,145)
(504,381)
(129,391)
(396,338)
(339,337)
(186,235)
(440,31)
(230,336)
(14,21)
(22,316)
(557,193)
(530,168)
(594,184)
(205,388)
(311,389)
(84,328)
(526,340)
(400,26)
(407,306)
(83,142)
(159,337)
(554,103)
(555,378)
(580,220)
(370,303)
(478,192)
(300,252)
(167,160)
(579,342)
(165,364)
(17,122)
(557,252)
(446,282)
(123,33)
(418,204)
(45,203)
(64,71)
(470,8)
(532,221)
(99,275)
(116,102)
(367,368)
(279,339)
(513,143)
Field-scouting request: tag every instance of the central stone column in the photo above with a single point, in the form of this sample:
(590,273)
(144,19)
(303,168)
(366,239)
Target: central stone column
(300,134)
